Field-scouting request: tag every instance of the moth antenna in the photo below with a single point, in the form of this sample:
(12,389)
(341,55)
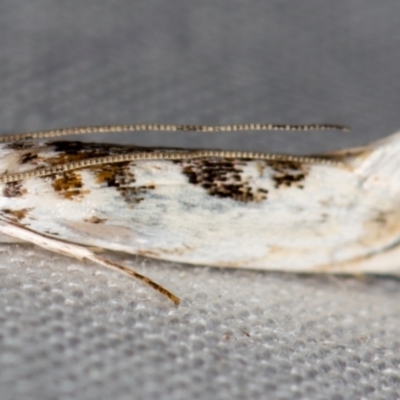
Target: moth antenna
(136,275)
(168,128)
(166,155)
(78,252)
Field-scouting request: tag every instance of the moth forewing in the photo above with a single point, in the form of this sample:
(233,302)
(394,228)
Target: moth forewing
(336,212)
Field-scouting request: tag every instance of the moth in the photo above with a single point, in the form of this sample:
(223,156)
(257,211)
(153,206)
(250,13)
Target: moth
(335,213)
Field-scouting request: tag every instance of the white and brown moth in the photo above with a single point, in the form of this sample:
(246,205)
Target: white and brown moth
(336,213)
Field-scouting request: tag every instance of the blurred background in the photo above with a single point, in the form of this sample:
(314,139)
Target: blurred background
(70,331)
(96,62)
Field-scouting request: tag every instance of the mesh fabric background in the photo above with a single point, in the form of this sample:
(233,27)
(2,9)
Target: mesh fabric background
(70,330)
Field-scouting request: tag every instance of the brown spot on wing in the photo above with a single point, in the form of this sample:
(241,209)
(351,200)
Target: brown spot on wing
(16,215)
(28,157)
(288,173)
(114,175)
(95,220)
(14,189)
(123,180)
(222,178)
(68,184)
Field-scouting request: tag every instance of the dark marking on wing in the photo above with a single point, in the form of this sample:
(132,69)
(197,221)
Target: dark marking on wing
(68,184)
(95,220)
(94,149)
(14,189)
(62,152)
(20,145)
(16,215)
(50,233)
(71,151)
(123,180)
(28,157)
(324,217)
(222,178)
(114,175)
(288,173)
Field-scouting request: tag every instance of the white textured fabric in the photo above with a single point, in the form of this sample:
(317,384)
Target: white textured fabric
(69,330)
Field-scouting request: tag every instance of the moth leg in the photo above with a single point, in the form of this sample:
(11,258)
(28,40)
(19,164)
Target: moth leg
(78,252)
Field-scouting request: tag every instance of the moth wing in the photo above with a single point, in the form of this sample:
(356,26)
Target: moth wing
(238,213)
